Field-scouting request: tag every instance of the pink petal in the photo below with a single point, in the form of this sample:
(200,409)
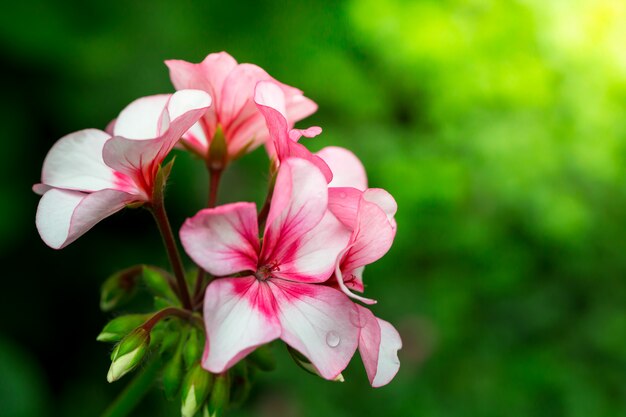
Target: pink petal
(63,216)
(384,200)
(141,118)
(298,107)
(372,237)
(209,75)
(311,132)
(237,95)
(348,171)
(298,205)
(312,258)
(318,321)
(268,99)
(379,343)
(134,157)
(344,204)
(223,240)
(75,162)
(239,315)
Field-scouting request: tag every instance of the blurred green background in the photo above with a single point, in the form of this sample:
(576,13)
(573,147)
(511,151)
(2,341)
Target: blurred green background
(499,126)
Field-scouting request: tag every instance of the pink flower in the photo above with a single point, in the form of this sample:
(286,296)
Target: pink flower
(277,293)
(272,103)
(89,175)
(368,213)
(232,87)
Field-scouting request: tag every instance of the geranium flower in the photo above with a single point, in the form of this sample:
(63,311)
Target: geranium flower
(234,114)
(369,214)
(278,291)
(89,175)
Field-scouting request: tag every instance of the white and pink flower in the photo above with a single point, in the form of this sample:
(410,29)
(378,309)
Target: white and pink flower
(232,87)
(279,293)
(89,175)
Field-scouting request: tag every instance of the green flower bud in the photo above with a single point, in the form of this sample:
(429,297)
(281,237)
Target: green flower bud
(305,364)
(195,390)
(119,288)
(193,347)
(173,373)
(157,281)
(116,329)
(128,353)
(220,396)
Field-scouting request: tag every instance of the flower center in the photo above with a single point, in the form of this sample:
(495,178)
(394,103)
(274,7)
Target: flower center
(265,272)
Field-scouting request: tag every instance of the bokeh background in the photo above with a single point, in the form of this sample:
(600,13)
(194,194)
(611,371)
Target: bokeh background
(499,126)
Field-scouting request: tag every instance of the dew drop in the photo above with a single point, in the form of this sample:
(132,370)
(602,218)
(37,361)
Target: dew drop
(332,339)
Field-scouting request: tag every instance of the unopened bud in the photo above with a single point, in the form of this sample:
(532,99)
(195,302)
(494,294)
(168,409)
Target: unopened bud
(305,364)
(220,396)
(195,390)
(119,288)
(157,281)
(116,329)
(193,347)
(128,353)
(172,374)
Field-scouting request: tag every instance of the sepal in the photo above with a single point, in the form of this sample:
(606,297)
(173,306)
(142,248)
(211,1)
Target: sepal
(116,329)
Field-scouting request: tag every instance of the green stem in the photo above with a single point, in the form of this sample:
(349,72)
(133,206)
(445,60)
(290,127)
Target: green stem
(135,391)
(163,223)
(215,175)
(171,311)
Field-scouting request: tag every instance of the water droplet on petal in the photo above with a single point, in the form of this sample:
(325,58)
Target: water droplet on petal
(343,194)
(332,339)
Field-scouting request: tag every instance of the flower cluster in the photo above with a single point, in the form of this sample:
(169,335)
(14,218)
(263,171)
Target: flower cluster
(321,225)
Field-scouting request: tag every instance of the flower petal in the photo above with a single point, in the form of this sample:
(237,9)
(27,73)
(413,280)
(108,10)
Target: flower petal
(270,101)
(75,162)
(239,315)
(209,75)
(371,239)
(344,202)
(63,216)
(348,171)
(298,204)
(223,240)
(141,118)
(318,321)
(384,200)
(131,156)
(379,343)
(312,258)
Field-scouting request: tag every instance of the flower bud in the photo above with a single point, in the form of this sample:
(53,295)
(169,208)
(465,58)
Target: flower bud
(240,383)
(220,396)
(157,281)
(116,329)
(128,353)
(119,288)
(173,372)
(195,390)
(193,348)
